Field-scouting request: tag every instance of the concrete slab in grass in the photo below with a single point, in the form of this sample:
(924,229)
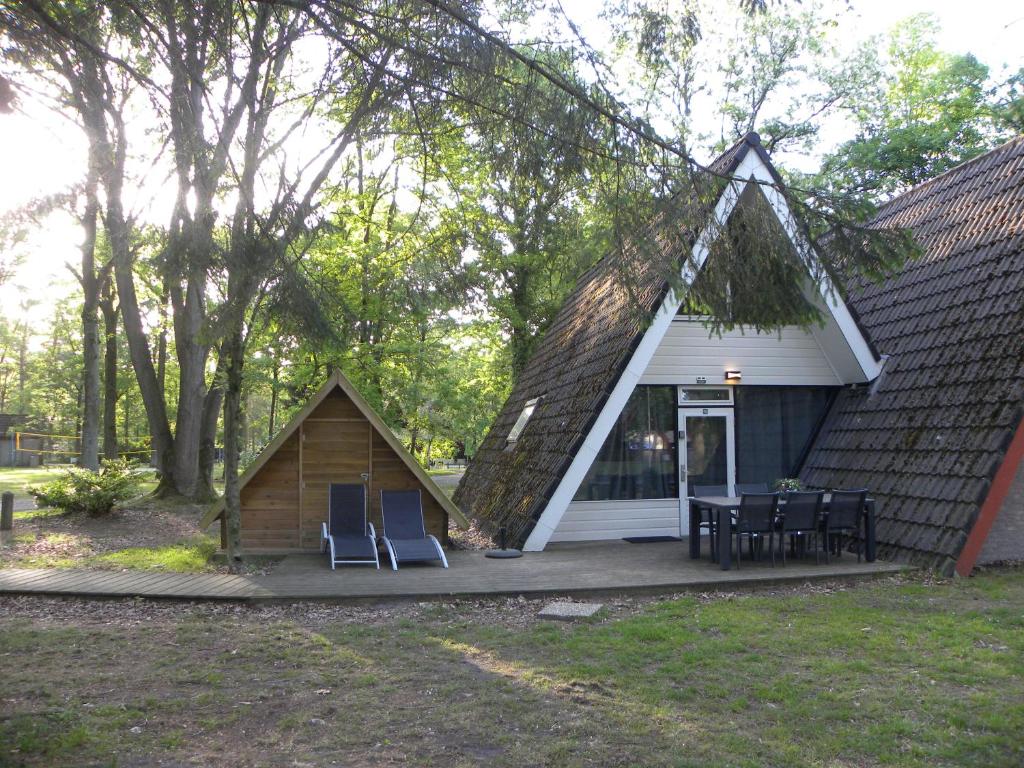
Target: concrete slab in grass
(563,610)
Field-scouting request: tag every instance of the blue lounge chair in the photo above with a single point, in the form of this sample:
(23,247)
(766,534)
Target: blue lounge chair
(347,535)
(405,535)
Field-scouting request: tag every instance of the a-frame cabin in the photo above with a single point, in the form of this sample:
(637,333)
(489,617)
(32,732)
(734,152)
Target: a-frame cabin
(336,438)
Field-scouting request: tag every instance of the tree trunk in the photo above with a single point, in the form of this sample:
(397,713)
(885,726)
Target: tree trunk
(189,322)
(113,155)
(275,378)
(90,449)
(22,367)
(235,351)
(208,441)
(109,310)
(138,347)
(161,349)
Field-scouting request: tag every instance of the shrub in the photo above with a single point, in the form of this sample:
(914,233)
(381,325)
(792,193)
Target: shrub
(82,490)
(785,484)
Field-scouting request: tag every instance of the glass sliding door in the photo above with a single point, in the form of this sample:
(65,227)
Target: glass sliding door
(638,458)
(709,457)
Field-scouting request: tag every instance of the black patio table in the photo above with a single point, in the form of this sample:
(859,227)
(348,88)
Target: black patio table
(729,504)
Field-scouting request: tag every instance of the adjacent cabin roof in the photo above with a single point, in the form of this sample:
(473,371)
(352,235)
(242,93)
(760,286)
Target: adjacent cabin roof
(584,366)
(338,380)
(929,435)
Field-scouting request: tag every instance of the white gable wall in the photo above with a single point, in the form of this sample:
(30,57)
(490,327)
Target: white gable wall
(601,520)
(686,354)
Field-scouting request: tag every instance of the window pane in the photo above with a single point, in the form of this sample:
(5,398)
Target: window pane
(688,395)
(638,460)
(707,457)
(774,428)
(524,416)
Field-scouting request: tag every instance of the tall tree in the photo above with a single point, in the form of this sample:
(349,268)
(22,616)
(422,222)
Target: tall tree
(536,184)
(923,112)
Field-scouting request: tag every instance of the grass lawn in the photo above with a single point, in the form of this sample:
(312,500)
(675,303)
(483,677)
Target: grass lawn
(908,672)
(18,479)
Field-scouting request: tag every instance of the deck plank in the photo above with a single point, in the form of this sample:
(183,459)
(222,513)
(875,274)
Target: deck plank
(562,569)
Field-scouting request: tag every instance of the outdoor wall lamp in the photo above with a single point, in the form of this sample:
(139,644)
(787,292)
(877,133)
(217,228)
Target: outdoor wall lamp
(733,377)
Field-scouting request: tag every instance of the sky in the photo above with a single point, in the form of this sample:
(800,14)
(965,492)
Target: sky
(43,153)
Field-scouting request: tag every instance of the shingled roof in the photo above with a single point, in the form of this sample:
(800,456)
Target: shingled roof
(584,354)
(573,370)
(931,432)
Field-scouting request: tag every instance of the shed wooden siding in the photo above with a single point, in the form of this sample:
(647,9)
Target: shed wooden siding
(270,501)
(598,520)
(285,502)
(793,357)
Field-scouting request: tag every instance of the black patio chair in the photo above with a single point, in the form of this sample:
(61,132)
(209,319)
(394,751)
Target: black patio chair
(405,534)
(801,518)
(844,516)
(709,521)
(347,535)
(742,488)
(756,520)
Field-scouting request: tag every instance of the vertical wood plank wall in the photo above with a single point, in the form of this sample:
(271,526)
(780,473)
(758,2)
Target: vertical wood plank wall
(284,504)
(270,501)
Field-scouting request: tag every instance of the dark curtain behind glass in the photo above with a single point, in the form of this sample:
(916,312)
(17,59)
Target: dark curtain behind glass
(638,459)
(774,427)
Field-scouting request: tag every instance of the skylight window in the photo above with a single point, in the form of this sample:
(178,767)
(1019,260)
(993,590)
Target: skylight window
(524,416)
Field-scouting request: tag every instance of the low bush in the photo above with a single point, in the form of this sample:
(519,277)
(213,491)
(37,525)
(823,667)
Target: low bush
(94,493)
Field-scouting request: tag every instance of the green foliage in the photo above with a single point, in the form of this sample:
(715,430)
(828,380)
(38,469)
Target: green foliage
(1008,107)
(788,484)
(920,112)
(84,491)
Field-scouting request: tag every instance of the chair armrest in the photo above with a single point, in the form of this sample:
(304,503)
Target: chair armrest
(324,536)
(440,550)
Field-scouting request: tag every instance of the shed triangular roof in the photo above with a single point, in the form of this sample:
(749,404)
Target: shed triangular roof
(338,379)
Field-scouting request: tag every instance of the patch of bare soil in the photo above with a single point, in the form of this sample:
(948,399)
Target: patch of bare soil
(140,523)
(471,538)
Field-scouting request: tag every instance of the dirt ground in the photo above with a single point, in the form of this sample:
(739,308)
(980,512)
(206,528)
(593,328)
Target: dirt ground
(142,523)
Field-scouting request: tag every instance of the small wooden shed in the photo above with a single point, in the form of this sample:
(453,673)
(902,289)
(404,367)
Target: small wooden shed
(336,438)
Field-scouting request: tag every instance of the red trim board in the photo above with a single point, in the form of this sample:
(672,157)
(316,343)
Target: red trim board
(993,503)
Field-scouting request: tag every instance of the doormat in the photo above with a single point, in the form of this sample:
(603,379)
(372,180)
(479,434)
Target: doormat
(649,539)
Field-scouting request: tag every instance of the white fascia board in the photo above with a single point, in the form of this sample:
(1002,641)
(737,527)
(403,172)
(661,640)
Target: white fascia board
(570,482)
(845,331)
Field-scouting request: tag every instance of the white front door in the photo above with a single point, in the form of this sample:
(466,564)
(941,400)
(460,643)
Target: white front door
(707,450)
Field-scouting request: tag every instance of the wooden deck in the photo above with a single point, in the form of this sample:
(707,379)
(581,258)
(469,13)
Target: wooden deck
(567,569)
